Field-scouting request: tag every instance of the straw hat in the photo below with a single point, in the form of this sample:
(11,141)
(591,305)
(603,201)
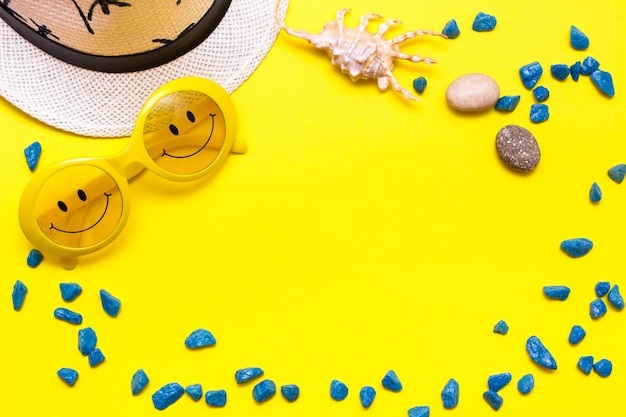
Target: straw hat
(87,66)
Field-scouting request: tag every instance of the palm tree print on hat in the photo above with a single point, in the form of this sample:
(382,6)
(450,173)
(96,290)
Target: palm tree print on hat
(104,6)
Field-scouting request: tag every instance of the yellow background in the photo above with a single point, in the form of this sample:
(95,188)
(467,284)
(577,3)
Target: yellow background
(360,233)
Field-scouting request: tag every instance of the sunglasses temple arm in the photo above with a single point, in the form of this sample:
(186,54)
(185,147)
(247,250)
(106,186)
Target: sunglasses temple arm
(240,146)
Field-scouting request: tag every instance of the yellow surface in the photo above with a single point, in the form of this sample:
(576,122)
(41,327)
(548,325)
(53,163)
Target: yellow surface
(360,233)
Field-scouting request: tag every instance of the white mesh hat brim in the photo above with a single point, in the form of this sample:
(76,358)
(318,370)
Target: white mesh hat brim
(100,104)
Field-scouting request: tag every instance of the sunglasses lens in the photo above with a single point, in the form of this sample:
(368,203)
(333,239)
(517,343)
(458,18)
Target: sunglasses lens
(184,132)
(79,206)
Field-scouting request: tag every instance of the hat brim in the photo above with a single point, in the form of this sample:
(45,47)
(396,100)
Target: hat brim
(100,104)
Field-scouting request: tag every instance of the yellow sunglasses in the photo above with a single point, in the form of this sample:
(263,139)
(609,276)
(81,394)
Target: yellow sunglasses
(75,207)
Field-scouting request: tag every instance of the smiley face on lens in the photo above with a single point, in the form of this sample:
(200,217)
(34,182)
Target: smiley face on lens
(82,196)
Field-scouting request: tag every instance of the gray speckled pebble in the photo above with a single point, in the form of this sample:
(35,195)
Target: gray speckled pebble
(473,92)
(518,148)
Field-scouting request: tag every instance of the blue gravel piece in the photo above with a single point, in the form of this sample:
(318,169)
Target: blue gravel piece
(19,295)
(110,304)
(493,399)
(392,382)
(167,395)
(194,391)
(617,173)
(68,375)
(96,357)
(367,395)
(34,258)
(291,392)
(589,65)
(604,82)
(595,193)
(70,291)
(419,84)
(576,335)
(507,103)
(577,247)
(420,411)
(556,292)
(603,367)
(87,340)
(216,398)
(602,288)
(615,298)
(526,384)
(199,338)
(484,22)
(450,394)
(501,327)
(585,364)
(451,29)
(246,374)
(32,154)
(541,93)
(264,390)
(597,309)
(530,74)
(578,39)
(498,381)
(68,316)
(539,113)
(560,71)
(338,390)
(138,382)
(574,71)
(539,354)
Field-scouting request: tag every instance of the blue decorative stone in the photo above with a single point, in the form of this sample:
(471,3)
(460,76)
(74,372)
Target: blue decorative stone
(576,335)
(367,395)
(338,390)
(530,74)
(577,247)
(419,84)
(595,193)
(420,411)
(451,29)
(597,309)
(138,382)
(556,292)
(18,295)
(34,258)
(602,288)
(32,154)
(498,381)
(617,173)
(501,327)
(167,395)
(246,374)
(507,103)
(526,384)
(68,316)
(69,291)
(291,392)
(450,394)
(194,391)
(603,367)
(216,398)
(560,71)
(539,113)
(87,340)
(615,298)
(96,357)
(589,65)
(493,399)
(200,338)
(68,375)
(264,390)
(578,39)
(604,82)
(539,354)
(392,382)
(484,22)
(541,93)
(585,364)
(110,304)
(574,71)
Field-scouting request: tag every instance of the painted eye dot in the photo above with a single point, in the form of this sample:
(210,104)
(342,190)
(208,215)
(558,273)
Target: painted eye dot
(191,117)
(174,130)
(62,206)
(82,195)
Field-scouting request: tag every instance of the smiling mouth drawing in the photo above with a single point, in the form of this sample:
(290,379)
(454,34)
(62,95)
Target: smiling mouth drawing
(90,227)
(199,150)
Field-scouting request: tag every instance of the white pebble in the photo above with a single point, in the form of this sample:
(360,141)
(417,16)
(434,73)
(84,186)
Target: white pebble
(473,92)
